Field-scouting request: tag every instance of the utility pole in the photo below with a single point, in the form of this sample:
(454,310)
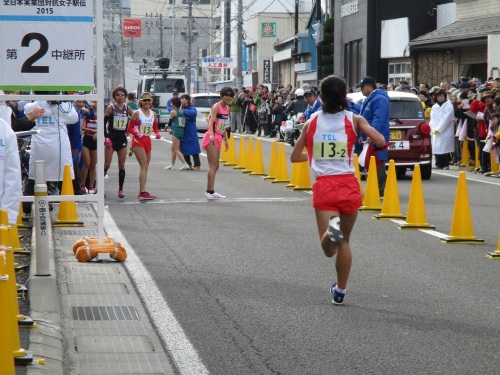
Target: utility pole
(239,48)
(190,42)
(161,34)
(296,40)
(318,44)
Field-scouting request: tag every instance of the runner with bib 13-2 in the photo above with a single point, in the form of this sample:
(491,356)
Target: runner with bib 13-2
(329,137)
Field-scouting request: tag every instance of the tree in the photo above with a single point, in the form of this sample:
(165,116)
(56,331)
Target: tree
(327,48)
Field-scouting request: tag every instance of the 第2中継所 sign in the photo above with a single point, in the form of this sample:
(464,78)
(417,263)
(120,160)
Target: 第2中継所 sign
(46,48)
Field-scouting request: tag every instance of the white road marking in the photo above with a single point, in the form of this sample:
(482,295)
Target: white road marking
(181,350)
(428,231)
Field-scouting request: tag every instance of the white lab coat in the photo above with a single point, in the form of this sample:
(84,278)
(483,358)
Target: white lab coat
(10,172)
(442,121)
(52,144)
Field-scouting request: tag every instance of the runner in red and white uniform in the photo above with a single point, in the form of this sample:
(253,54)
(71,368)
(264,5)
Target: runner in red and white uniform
(218,122)
(143,123)
(89,149)
(329,137)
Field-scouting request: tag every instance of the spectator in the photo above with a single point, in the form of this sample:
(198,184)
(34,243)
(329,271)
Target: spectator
(278,117)
(442,129)
(10,172)
(190,146)
(235,114)
(131,101)
(89,150)
(298,105)
(375,109)
(175,94)
(313,103)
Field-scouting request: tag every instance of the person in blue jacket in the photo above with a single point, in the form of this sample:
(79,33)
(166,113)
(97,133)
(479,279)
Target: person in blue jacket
(175,94)
(190,146)
(375,109)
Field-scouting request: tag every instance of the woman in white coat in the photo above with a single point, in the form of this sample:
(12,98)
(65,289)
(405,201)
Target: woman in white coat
(442,130)
(10,172)
(51,144)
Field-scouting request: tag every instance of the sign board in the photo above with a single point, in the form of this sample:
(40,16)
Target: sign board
(267,71)
(268,29)
(217,62)
(47,48)
(349,8)
(132,27)
(244,57)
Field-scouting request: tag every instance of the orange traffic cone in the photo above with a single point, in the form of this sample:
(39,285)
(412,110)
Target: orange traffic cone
(495,254)
(242,156)
(281,167)
(20,225)
(494,164)
(461,224)
(273,161)
(258,161)
(231,154)
(67,216)
(371,199)
(250,156)
(415,215)
(357,173)
(304,177)
(390,206)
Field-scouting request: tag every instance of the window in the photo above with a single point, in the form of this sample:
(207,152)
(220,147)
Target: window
(400,71)
(164,85)
(352,62)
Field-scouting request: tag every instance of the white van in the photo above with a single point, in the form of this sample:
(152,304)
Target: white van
(161,83)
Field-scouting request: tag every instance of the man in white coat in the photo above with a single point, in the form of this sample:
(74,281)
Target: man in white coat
(442,130)
(10,172)
(51,144)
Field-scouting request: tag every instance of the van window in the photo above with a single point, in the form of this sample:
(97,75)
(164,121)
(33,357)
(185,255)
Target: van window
(205,101)
(165,85)
(406,110)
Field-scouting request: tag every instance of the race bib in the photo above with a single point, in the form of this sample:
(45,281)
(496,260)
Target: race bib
(330,148)
(182,122)
(146,129)
(120,122)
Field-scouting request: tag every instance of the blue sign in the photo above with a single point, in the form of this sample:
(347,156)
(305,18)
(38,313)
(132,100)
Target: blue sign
(244,57)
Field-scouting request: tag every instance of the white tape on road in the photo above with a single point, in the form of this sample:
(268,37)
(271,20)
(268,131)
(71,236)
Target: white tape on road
(184,355)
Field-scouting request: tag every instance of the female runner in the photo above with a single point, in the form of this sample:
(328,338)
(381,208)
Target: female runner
(330,137)
(212,141)
(143,123)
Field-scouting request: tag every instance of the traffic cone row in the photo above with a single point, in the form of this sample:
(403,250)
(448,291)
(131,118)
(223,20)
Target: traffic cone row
(461,226)
(67,216)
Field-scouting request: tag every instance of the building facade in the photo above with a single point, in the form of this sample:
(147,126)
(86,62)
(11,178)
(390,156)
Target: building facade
(372,37)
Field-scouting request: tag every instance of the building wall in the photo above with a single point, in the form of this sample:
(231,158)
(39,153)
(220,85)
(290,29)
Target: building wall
(475,8)
(432,67)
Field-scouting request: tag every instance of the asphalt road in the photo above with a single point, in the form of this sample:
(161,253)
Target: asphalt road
(246,278)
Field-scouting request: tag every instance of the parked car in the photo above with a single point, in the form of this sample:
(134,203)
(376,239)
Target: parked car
(203,103)
(409,134)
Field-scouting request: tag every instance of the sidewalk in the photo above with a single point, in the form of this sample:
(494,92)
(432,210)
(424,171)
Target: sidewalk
(89,315)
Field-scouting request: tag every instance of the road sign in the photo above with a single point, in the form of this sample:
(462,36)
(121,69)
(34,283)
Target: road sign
(46,48)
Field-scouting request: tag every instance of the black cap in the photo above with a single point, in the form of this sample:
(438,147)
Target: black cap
(463,85)
(309,92)
(175,91)
(367,81)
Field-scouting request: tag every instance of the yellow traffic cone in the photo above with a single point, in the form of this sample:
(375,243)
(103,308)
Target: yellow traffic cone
(304,177)
(293,176)
(493,163)
(390,207)
(461,224)
(495,254)
(281,167)
(250,156)
(10,303)
(242,155)
(415,215)
(67,216)
(371,199)
(273,161)
(258,161)
(231,154)
(223,153)
(478,159)
(357,173)
(465,153)
(6,348)
(20,225)
(14,234)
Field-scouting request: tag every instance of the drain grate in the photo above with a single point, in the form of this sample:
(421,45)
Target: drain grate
(104,313)
(79,232)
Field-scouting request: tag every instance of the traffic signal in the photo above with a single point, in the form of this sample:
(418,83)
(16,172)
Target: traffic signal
(318,32)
